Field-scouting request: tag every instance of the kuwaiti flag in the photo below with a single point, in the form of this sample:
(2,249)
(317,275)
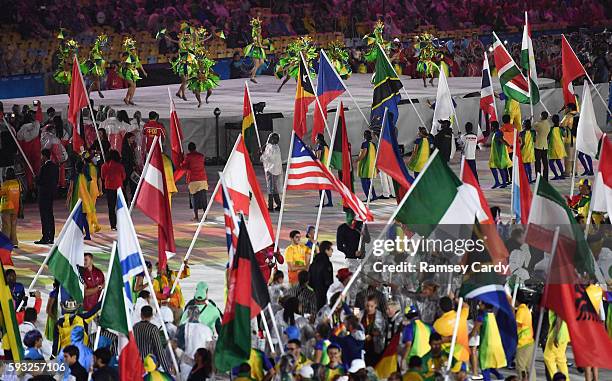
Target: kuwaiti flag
(329,87)
(389,157)
(128,247)
(602,190)
(437,197)
(521,193)
(512,81)
(565,292)
(528,63)
(588,133)
(247,198)
(115,317)
(67,257)
(571,69)
(488,110)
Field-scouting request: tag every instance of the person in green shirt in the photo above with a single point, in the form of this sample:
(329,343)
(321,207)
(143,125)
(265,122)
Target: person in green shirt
(210,315)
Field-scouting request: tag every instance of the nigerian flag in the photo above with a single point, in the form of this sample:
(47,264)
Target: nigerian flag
(437,197)
(528,63)
(67,256)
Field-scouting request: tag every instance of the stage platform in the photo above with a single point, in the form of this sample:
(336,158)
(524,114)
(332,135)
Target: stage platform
(199,123)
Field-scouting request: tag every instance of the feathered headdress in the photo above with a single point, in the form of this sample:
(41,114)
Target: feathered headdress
(129,44)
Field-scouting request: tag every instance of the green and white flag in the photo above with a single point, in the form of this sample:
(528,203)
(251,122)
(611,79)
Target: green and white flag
(528,63)
(437,197)
(68,255)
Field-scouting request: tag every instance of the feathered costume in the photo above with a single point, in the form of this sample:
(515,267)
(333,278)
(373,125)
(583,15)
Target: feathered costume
(339,57)
(65,51)
(201,76)
(427,53)
(375,38)
(257,48)
(289,64)
(95,64)
(130,64)
(181,65)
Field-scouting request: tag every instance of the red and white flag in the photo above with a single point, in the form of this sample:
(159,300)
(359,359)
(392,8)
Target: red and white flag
(602,190)
(488,111)
(78,101)
(176,139)
(154,201)
(571,69)
(306,172)
(247,198)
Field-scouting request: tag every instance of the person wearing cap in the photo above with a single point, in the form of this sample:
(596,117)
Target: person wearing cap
(415,335)
(191,336)
(443,140)
(343,276)
(305,373)
(297,257)
(357,370)
(348,237)
(69,321)
(209,315)
(334,367)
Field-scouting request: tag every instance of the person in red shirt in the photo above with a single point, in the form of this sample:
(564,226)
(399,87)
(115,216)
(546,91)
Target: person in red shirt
(113,80)
(113,176)
(197,180)
(150,130)
(94,283)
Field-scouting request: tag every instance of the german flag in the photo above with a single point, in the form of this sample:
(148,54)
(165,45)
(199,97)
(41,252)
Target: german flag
(304,96)
(248,121)
(247,295)
(11,341)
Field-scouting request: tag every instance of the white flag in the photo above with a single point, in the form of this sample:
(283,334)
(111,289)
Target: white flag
(588,132)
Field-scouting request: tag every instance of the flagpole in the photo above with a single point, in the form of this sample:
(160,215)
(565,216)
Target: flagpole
(25,158)
(542,309)
(454,339)
(278,336)
(327,163)
(315,94)
(587,75)
(573,172)
(345,87)
(403,87)
(201,223)
(142,175)
(246,84)
(389,221)
(102,297)
(514,178)
(55,244)
(280,215)
(264,321)
(529,42)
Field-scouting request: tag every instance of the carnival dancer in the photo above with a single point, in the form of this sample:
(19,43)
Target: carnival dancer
(65,51)
(427,53)
(181,64)
(130,67)
(257,48)
(376,38)
(339,57)
(95,65)
(201,77)
(288,66)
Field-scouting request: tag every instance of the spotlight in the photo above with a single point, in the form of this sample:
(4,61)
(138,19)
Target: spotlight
(505,42)
(490,48)
(258,107)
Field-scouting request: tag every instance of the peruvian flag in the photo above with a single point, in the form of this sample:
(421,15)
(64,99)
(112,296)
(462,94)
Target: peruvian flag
(78,101)
(243,189)
(176,137)
(571,69)
(602,191)
(154,201)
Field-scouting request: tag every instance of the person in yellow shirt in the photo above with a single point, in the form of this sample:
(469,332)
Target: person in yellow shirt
(415,371)
(525,346)
(297,257)
(556,344)
(10,200)
(162,285)
(595,293)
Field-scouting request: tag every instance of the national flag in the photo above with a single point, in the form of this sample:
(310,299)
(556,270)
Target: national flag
(451,203)
(341,152)
(247,198)
(66,259)
(601,200)
(78,100)
(387,88)
(588,133)
(128,247)
(247,295)
(329,87)
(154,201)
(39,113)
(512,81)
(9,329)
(231,223)
(528,63)
(306,172)
(488,110)
(390,159)
(444,108)
(565,292)
(486,223)
(388,360)
(176,139)
(419,338)
(608,115)
(521,192)
(571,69)
(6,248)
(260,364)
(489,288)
(115,317)
(304,96)
(248,121)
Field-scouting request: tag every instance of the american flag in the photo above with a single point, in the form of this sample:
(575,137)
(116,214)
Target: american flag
(231,223)
(306,172)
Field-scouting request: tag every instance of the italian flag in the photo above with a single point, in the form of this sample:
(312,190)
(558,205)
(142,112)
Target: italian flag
(114,317)
(437,197)
(248,120)
(528,63)
(512,81)
(67,256)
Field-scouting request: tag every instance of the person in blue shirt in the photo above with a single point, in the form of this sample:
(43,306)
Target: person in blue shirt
(351,341)
(33,342)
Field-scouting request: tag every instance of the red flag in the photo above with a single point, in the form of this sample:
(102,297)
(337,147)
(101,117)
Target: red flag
(571,70)
(39,113)
(78,101)
(176,138)
(130,363)
(154,201)
(304,96)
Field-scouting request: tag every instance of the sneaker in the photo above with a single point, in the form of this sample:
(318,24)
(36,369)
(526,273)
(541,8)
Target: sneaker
(383,197)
